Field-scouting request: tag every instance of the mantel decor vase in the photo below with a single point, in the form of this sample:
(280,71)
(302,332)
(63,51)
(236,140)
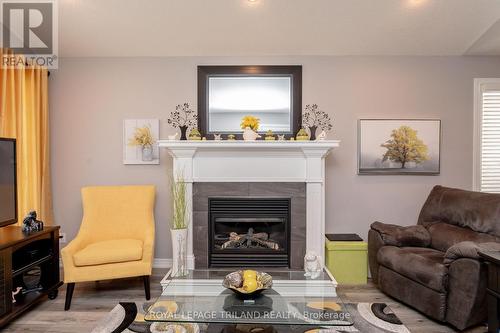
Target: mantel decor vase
(147,153)
(312,132)
(179,249)
(194,135)
(183,132)
(302,135)
(249,134)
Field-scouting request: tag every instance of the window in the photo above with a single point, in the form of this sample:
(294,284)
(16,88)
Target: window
(487,135)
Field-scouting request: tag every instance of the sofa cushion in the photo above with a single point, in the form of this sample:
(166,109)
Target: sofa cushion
(422,265)
(426,300)
(109,252)
(478,211)
(444,235)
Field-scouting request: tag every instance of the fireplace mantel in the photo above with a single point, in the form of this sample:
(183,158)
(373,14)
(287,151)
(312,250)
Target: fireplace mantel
(258,161)
(261,144)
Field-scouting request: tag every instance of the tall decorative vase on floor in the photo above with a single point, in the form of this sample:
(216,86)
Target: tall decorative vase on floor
(179,248)
(178,227)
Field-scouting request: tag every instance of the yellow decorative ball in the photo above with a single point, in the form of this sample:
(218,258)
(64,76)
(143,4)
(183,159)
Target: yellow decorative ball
(249,274)
(250,285)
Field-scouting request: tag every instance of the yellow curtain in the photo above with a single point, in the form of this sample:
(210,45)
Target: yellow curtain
(24,115)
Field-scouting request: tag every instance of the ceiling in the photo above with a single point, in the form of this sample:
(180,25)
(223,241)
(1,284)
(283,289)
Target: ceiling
(127,28)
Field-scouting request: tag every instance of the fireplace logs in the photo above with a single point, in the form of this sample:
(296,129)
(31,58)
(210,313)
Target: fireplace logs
(250,240)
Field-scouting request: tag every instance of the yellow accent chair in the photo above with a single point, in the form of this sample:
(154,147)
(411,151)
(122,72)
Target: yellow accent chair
(116,237)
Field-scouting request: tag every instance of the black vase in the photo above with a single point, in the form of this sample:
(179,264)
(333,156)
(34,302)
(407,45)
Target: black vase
(183,132)
(312,130)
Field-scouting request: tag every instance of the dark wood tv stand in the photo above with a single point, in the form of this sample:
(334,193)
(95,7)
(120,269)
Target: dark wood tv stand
(19,254)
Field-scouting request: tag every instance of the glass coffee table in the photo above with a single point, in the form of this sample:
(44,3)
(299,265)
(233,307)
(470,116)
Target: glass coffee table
(294,301)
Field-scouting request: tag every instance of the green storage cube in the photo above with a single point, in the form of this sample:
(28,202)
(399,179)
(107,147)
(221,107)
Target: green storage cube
(347,261)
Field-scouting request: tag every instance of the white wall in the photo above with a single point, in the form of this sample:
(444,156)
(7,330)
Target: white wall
(89,98)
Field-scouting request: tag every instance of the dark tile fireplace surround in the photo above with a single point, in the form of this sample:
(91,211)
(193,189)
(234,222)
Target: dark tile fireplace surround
(274,212)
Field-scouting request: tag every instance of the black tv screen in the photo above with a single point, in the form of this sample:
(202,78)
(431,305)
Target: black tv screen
(8,183)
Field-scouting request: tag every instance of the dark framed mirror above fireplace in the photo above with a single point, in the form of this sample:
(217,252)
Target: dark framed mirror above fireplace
(248,232)
(226,94)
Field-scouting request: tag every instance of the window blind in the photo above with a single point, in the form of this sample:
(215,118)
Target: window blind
(490,141)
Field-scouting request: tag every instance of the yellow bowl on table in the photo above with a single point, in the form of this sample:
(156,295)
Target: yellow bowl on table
(248,282)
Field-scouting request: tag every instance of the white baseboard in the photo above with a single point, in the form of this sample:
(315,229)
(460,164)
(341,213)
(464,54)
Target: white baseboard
(167,262)
(162,262)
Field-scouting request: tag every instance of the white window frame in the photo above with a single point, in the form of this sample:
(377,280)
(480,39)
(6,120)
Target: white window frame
(480,85)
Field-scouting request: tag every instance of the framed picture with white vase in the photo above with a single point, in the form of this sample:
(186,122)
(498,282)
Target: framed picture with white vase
(140,137)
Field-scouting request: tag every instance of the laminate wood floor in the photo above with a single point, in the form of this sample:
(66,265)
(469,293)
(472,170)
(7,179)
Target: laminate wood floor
(92,301)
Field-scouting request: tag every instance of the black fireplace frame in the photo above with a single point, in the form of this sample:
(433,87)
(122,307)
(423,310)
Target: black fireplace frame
(254,257)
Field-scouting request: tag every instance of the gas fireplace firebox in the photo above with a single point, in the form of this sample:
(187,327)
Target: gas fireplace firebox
(247,232)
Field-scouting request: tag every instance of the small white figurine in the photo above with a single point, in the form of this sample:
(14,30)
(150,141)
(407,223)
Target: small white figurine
(281,137)
(173,137)
(217,137)
(321,136)
(312,266)
(14,293)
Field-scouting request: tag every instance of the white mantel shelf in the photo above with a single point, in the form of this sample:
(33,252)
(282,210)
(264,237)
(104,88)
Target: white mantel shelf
(260,144)
(257,161)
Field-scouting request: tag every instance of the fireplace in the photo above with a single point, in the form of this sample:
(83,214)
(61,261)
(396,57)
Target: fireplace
(246,231)
(275,209)
(254,169)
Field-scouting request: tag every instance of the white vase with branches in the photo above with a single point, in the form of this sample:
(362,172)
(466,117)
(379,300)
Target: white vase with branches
(178,226)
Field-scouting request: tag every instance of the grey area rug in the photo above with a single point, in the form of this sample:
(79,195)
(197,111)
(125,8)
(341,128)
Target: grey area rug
(367,317)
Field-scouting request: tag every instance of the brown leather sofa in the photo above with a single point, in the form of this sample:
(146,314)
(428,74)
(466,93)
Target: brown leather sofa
(434,266)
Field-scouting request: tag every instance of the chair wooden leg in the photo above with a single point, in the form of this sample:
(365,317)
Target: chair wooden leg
(147,289)
(69,295)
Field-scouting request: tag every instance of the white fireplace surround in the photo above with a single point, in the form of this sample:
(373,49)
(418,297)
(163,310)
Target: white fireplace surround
(257,161)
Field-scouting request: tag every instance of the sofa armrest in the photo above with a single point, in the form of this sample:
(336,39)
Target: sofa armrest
(69,250)
(148,245)
(67,253)
(468,249)
(466,300)
(375,242)
(415,235)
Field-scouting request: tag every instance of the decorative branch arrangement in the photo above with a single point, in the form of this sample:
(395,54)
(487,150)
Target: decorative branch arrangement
(178,191)
(179,224)
(183,117)
(314,117)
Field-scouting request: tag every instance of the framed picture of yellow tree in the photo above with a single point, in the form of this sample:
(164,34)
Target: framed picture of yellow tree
(399,146)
